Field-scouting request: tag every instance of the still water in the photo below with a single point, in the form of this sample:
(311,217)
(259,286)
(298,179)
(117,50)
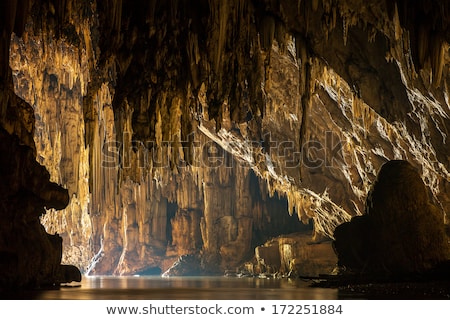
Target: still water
(183,288)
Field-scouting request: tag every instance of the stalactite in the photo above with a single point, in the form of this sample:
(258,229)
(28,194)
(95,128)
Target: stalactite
(116,15)
(280,35)
(396,21)
(220,14)
(423,45)
(345,28)
(315,5)
(437,53)
(194,58)
(306,92)
(267,32)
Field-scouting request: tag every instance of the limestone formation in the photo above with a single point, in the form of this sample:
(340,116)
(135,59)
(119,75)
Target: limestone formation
(206,128)
(291,255)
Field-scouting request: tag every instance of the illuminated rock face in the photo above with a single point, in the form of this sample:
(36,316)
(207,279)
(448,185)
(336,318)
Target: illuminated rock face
(292,255)
(196,130)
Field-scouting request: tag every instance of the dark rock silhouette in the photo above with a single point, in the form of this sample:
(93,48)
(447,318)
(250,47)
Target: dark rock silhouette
(68,273)
(352,242)
(401,232)
(30,257)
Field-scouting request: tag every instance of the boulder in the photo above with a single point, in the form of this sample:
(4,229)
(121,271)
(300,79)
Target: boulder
(401,232)
(291,255)
(352,242)
(68,274)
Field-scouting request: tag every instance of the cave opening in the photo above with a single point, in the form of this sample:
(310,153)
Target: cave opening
(275,217)
(150,271)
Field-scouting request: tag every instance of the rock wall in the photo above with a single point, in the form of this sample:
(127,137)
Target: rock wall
(206,130)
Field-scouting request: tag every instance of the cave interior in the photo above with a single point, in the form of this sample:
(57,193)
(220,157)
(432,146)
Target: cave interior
(263,136)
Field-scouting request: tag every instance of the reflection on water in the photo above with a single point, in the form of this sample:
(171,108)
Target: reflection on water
(183,288)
